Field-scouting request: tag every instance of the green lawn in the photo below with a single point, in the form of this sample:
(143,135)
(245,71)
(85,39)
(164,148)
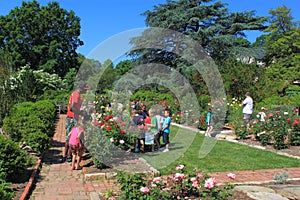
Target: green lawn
(210,155)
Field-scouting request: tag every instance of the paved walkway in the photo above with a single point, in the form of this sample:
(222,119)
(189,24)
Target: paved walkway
(56,180)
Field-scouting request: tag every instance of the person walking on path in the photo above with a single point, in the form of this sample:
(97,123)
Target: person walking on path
(73,114)
(209,123)
(247,109)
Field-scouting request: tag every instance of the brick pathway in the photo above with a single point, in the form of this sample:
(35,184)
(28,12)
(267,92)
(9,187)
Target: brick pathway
(57,181)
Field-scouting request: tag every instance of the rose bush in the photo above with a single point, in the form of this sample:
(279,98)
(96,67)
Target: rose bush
(180,185)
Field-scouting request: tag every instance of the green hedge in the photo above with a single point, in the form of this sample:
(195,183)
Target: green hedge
(32,123)
(13,160)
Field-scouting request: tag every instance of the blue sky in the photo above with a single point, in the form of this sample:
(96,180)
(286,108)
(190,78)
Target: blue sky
(102,19)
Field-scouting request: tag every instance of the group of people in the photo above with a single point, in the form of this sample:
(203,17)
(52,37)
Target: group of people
(156,125)
(74,144)
(151,125)
(247,110)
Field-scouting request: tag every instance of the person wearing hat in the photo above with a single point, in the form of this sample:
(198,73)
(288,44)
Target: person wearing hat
(247,109)
(73,114)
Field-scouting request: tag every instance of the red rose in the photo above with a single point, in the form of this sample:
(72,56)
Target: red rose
(108,128)
(100,123)
(96,123)
(108,117)
(122,132)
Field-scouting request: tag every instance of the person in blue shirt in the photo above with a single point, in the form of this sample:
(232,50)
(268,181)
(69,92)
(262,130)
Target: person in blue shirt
(166,129)
(209,123)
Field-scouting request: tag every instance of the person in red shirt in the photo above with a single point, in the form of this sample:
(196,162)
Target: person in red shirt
(73,115)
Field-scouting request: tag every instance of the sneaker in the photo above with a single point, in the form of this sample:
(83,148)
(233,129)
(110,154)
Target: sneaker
(69,159)
(166,150)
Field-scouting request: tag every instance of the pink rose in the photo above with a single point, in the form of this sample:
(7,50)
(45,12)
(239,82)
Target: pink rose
(231,176)
(179,167)
(178,176)
(157,180)
(199,176)
(289,119)
(145,190)
(193,179)
(195,184)
(210,183)
(270,115)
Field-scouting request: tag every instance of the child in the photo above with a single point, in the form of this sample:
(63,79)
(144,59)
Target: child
(166,129)
(151,123)
(138,123)
(262,114)
(76,145)
(209,123)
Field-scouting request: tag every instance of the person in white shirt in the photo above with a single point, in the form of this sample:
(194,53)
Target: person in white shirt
(247,109)
(262,114)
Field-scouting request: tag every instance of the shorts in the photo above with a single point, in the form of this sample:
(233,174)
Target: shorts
(247,117)
(166,138)
(76,150)
(70,123)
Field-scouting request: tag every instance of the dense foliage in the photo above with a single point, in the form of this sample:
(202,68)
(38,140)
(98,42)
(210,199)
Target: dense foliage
(32,123)
(178,186)
(44,37)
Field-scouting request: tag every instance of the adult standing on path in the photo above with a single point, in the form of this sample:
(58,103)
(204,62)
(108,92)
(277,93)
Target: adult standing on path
(73,115)
(247,109)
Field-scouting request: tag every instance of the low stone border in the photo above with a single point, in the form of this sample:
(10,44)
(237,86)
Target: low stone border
(111,175)
(31,180)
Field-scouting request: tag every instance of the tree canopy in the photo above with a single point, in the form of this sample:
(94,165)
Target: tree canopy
(218,31)
(44,37)
(282,45)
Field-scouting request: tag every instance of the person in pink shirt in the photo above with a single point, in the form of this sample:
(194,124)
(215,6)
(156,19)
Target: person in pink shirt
(76,145)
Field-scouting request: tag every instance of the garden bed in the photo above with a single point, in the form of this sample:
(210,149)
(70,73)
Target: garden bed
(291,150)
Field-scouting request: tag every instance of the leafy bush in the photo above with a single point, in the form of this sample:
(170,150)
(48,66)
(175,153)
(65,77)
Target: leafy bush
(6,192)
(12,159)
(281,177)
(38,141)
(46,112)
(281,128)
(178,186)
(28,119)
(98,145)
(295,133)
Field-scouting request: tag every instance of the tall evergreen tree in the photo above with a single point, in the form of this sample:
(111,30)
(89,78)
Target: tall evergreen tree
(218,31)
(282,46)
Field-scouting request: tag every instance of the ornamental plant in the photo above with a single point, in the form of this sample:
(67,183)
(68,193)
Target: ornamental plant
(179,185)
(281,128)
(295,132)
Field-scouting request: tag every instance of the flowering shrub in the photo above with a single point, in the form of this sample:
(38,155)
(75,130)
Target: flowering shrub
(178,186)
(281,128)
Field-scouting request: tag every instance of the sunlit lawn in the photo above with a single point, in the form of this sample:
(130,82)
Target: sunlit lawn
(221,155)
